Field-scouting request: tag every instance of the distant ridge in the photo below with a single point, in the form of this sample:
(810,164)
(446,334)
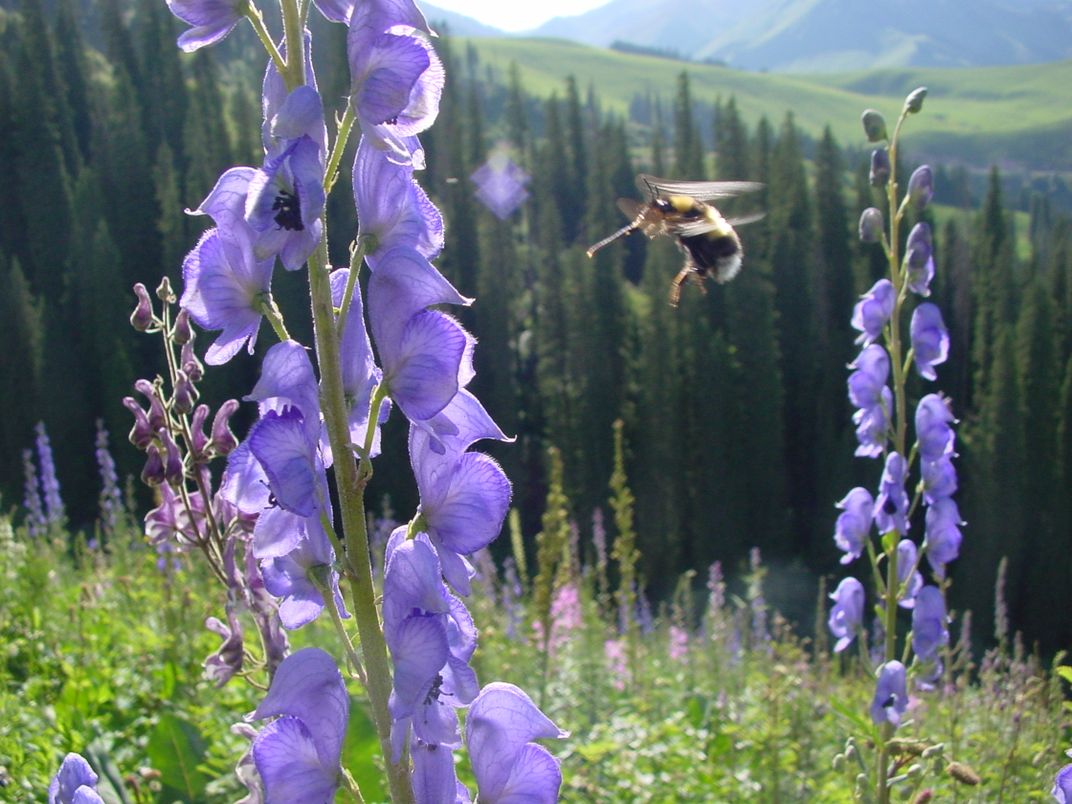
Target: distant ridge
(808,36)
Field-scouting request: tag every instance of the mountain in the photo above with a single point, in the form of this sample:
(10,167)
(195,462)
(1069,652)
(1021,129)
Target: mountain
(456,24)
(805,36)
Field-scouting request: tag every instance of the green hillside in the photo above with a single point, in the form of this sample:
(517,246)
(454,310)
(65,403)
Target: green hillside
(1016,116)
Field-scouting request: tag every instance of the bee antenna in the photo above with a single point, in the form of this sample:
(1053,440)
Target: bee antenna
(628,229)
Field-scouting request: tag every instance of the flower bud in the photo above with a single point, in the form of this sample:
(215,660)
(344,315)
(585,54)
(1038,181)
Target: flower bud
(153,472)
(924,796)
(142,317)
(141,434)
(164,291)
(919,259)
(190,363)
(173,471)
(874,125)
(181,332)
(223,440)
(964,774)
(921,187)
(871,225)
(185,396)
(914,102)
(839,763)
(199,441)
(157,417)
(880,167)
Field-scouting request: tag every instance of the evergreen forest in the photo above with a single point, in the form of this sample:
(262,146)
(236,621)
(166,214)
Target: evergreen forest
(736,426)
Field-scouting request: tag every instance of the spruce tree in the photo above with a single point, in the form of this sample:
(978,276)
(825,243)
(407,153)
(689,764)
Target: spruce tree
(688,147)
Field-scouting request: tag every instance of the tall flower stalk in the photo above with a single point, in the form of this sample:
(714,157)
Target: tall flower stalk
(878,388)
(286,550)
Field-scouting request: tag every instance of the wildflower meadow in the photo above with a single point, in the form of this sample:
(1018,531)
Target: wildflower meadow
(267,630)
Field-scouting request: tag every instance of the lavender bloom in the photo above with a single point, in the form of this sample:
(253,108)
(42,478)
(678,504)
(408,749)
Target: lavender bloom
(880,167)
(297,754)
(847,612)
(501,724)
(869,393)
(907,556)
(1062,786)
(392,208)
(50,484)
(873,310)
(943,534)
(871,225)
(921,187)
(111,499)
(933,433)
(142,317)
(359,373)
(172,523)
(891,696)
(939,479)
(213,20)
(500,185)
(396,79)
(227,660)
(335,10)
(891,505)
(929,624)
(853,526)
(930,339)
(35,513)
(74,783)
(226,288)
(919,259)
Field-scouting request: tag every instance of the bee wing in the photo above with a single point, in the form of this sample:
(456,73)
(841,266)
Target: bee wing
(654,187)
(746,219)
(631,208)
(693,228)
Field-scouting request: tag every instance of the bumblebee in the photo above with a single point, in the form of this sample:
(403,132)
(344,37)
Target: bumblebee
(681,210)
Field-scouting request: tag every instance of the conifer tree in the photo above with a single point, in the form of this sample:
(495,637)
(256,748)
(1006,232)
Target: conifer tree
(71,64)
(731,144)
(688,148)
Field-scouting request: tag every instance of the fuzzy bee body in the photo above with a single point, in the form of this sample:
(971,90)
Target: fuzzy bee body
(680,209)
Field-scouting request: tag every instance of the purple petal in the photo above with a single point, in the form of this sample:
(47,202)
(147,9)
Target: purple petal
(244,483)
(280,442)
(418,649)
(412,581)
(290,765)
(335,10)
(287,379)
(74,772)
(421,367)
(226,202)
(434,777)
(388,72)
(467,511)
(454,429)
(276,533)
(535,778)
(212,21)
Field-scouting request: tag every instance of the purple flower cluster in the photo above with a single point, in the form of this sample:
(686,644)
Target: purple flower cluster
(74,783)
(111,499)
(55,515)
(35,510)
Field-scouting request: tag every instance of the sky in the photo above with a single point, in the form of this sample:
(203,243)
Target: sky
(511,15)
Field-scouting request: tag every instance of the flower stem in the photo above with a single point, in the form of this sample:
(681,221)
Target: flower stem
(346,125)
(253,14)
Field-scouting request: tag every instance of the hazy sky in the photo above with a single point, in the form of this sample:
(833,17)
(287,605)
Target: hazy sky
(511,15)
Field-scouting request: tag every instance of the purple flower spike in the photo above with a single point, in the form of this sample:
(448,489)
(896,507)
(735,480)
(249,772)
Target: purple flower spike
(891,505)
(508,766)
(919,259)
(933,431)
(939,479)
(929,624)
(930,339)
(225,288)
(74,783)
(212,20)
(891,696)
(854,524)
(873,310)
(943,535)
(847,612)
(297,755)
(1062,786)
(906,562)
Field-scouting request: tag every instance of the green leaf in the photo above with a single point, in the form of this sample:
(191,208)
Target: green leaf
(176,749)
(361,754)
(1065,672)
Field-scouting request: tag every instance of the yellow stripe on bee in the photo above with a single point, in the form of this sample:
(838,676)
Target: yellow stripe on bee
(682,203)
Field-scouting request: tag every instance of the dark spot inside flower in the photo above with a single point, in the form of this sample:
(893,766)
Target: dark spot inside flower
(391,121)
(890,507)
(889,702)
(287,207)
(434,692)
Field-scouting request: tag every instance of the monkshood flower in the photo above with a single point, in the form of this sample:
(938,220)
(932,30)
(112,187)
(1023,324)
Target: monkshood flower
(933,432)
(499,730)
(854,523)
(111,498)
(919,259)
(871,225)
(431,637)
(873,310)
(921,187)
(50,484)
(930,339)
(872,397)
(74,783)
(297,754)
(396,79)
(939,479)
(891,505)
(847,612)
(1062,786)
(425,354)
(907,556)
(35,512)
(225,288)
(392,208)
(171,522)
(943,534)
(891,696)
(212,20)
(221,666)
(880,167)
(929,624)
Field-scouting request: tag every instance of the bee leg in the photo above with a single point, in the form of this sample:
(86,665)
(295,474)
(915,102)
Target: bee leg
(698,281)
(675,286)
